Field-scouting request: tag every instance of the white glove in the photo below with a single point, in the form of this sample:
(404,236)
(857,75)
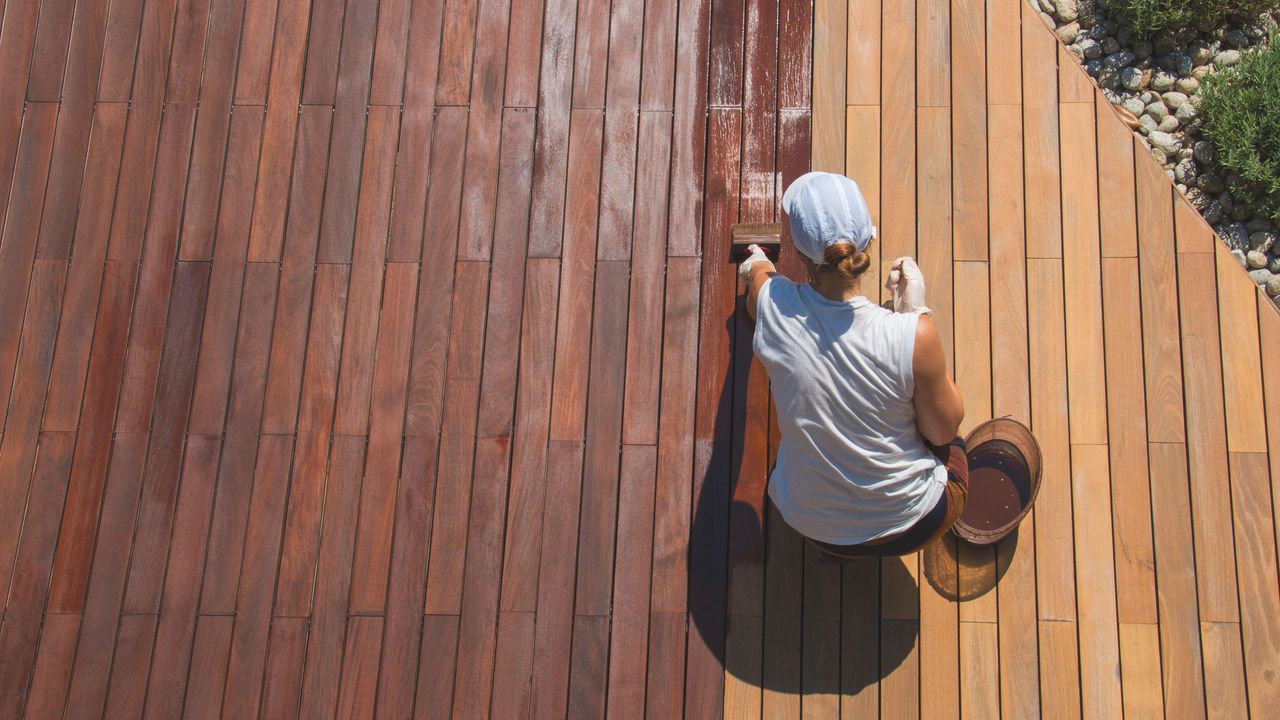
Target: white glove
(906,282)
(757,255)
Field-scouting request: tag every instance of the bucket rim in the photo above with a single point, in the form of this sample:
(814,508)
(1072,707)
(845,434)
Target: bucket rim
(1019,436)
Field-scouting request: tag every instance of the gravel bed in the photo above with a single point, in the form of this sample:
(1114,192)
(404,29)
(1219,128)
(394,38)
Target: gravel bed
(1157,83)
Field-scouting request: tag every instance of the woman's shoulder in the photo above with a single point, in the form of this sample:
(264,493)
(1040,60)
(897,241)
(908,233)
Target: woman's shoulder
(778,290)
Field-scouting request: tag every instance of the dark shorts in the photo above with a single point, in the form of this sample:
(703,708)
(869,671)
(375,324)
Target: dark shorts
(934,523)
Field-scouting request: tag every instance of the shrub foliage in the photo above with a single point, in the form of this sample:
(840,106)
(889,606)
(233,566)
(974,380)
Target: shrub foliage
(1149,17)
(1241,109)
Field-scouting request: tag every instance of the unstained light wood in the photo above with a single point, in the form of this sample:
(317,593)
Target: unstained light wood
(385,358)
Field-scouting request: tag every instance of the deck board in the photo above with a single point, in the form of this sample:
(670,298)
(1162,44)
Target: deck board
(385,358)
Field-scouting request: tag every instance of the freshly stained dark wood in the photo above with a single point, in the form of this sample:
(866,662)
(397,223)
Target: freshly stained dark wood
(17,239)
(416,126)
(384,359)
(248,663)
(164,451)
(386,428)
(128,687)
(87,691)
(240,444)
(217,343)
(368,267)
(330,603)
(18,447)
(20,631)
(297,275)
(280,131)
(16,41)
(280,686)
(156,276)
(210,144)
(554,99)
(311,449)
(86,273)
(118,58)
(404,621)
(75,93)
(175,633)
(209,658)
(48,689)
(387,85)
(254,61)
(50,56)
(348,175)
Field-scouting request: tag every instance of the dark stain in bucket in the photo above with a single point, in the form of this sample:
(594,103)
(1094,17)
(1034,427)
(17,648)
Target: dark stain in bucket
(999,486)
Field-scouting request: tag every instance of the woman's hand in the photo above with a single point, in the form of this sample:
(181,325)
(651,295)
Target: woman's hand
(906,282)
(756,257)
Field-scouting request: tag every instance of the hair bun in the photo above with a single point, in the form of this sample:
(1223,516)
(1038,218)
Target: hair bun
(844,258)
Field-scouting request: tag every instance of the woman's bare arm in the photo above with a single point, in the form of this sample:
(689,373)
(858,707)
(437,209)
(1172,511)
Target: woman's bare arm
(939,407)
(756,277)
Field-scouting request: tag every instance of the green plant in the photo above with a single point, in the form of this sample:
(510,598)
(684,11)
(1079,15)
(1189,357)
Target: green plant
(1241,110)
(1145,18)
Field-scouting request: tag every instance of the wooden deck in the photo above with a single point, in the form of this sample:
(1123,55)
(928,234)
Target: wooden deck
(1082,295)
(384,359)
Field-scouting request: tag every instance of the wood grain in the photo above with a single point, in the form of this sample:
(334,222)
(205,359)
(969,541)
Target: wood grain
(75,95)
(386,427)
(553,142)
(403,620)
(1224,677)
(1140,666)
(87,691)
(1241,356)
(240,444)
(1040,137)
(1127,424)
(377,359)
(423,155)
(1207,443)
(297,276)
(1117,187)
(1082,271)
(862,51)
(281,128)
(1074,84)
(1095,579)
(829,98)
(176,627)
(1004,56)
(969,129)
(1055,584)
(1180,649)
(209,147)
(86,274)
(21,630)
(1157,272)
(1256,550)
(330,601)
(17,239)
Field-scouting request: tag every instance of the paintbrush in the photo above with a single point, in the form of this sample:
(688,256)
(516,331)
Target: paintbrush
(767,235)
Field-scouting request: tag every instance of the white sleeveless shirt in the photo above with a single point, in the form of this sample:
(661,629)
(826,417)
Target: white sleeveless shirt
(851,465)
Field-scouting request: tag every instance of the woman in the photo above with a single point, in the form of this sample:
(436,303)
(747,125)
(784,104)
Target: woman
(869,462)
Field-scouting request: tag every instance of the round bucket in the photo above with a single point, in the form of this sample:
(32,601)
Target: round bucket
(1004,477)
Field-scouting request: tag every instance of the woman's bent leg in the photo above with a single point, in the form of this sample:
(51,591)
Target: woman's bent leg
(930,527)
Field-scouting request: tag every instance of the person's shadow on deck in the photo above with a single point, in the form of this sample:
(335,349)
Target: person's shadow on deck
(773,614)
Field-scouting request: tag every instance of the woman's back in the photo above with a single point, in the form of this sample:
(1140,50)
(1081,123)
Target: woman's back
(851,465)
